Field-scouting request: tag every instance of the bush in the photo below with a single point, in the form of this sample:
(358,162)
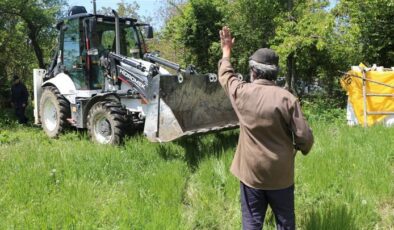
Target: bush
(324,109)
(7,119)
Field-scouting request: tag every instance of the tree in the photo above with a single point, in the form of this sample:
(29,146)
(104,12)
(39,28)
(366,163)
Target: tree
(300,32)
(371,25)
(195,29)
(37,17)
(26,37)
(253,25)
(166,42)
(125,9)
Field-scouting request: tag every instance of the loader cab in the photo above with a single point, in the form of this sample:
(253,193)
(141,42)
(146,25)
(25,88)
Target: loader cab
(85,39)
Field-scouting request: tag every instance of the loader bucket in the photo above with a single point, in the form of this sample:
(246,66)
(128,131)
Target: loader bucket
(187,105)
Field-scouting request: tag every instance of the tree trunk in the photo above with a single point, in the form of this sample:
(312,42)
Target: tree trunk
(290,62)
(36,46)
(291,75)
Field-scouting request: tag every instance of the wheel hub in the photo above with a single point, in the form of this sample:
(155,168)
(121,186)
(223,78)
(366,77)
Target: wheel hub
(50,115)
(103,130)
(105,127)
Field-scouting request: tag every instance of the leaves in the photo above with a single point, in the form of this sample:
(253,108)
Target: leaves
(320,39)
(370,25)
(26,37)
(196,29)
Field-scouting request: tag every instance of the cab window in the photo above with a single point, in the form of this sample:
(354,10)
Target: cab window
(72,57)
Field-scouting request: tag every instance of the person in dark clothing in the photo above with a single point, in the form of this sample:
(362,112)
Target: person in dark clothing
(19,98)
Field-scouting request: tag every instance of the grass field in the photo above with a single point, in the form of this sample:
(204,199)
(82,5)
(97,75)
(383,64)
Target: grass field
(347,181)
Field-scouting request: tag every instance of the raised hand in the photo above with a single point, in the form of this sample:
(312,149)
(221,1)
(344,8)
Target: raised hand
(226,41)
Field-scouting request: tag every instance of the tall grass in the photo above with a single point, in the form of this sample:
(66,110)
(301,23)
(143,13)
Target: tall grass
(347,178)
(347,181)
(72,183)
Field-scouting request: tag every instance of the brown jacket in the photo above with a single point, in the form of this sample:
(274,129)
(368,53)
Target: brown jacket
(271,123)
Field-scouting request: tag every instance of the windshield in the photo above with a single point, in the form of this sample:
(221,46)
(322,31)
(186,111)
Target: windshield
(103,39)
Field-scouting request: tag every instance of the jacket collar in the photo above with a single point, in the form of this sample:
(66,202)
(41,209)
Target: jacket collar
(263,82)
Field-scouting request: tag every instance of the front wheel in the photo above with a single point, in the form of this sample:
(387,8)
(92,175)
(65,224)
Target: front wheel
(54,111)
(107,122)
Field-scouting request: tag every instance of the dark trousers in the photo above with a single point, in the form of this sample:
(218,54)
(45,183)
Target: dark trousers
(20,114)
(254,203)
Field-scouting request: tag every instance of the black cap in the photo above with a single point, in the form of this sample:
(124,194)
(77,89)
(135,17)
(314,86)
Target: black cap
(265,56)
(15,77)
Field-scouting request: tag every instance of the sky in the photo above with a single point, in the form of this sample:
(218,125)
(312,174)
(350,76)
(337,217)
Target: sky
(147,7)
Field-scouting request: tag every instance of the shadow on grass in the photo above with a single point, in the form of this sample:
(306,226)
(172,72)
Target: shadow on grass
(193,149)
(331,217)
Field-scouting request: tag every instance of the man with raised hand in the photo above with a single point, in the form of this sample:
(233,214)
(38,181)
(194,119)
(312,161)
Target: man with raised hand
(272,129)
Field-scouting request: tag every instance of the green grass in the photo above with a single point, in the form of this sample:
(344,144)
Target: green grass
(347,181)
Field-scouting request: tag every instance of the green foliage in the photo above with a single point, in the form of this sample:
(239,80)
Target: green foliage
(370,23)
(305,26)
(319,39)
(7,119)
(301,36)
(253,26)
(4,137)
(319,110)
(196,30)
(26,38)
(125,9)
(35,19)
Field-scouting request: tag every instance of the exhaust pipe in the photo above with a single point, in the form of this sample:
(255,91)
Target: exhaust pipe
(94,7)
(117,31)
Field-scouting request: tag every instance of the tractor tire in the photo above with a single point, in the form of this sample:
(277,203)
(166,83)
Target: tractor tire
(107,122)
(54,111)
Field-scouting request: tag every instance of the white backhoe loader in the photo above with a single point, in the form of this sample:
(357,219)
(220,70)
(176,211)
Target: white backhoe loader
(102,79)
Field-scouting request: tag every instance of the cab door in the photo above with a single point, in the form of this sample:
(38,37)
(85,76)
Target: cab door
(73,52)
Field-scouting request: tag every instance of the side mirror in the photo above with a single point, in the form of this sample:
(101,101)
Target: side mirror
(149,32)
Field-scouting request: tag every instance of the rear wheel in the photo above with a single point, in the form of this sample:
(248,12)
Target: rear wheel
(54,111)
(107,122)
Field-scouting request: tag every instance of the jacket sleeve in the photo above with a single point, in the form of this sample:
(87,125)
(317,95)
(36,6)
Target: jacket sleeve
(228,79)
(303,136)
